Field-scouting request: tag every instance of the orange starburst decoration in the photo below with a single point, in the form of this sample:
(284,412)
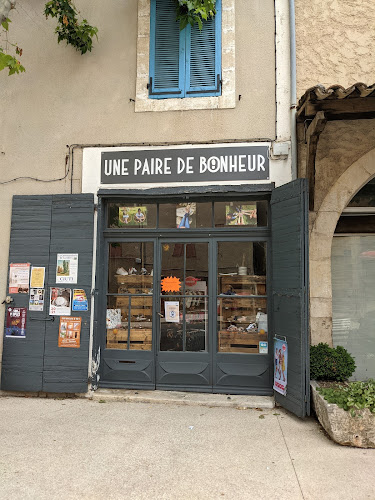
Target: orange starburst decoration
(170,284)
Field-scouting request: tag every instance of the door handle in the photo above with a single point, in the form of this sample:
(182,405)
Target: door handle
(160,314)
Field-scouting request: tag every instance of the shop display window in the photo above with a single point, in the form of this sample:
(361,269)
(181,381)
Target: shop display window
(241,213)
(184,297)
(132,215)
(130,296)
(188,215)
(185,215)
(242,297)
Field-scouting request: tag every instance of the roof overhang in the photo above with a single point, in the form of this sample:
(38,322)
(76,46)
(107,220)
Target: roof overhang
(319,105)
(354,103)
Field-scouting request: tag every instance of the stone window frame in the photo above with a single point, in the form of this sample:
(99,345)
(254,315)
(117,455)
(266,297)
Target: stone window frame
(228,94)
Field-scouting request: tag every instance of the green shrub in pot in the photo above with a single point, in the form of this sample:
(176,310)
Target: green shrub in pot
(330,363)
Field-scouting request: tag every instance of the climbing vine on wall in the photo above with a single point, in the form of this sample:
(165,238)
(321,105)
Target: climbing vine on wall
(194,11)
(77,34)
(80,34)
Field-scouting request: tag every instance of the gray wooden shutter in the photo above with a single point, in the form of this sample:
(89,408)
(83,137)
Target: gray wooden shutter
(42,227)
(22,365)
(289,218)
(72,226)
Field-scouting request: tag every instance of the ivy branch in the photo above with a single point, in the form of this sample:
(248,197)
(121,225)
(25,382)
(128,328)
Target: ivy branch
(7,60)
(194,12)
(79,35)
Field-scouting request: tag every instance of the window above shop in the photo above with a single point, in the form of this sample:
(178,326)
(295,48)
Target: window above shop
(183,63)
(188,215)
(184,69)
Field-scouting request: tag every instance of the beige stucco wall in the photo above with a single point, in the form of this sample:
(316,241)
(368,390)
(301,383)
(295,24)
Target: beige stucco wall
(65,98)
(335,42)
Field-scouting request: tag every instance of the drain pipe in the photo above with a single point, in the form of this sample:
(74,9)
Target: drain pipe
(293,87)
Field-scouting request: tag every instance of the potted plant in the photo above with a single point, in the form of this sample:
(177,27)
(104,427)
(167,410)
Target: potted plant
(346,410)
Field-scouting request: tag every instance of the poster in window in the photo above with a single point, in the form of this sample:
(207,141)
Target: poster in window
(113,318)
(70,331)
(280,366)
(67,268)
(172,311)
(186,215)
(60,300)
(240,215)
(19,276)
(133,216)
(16,322)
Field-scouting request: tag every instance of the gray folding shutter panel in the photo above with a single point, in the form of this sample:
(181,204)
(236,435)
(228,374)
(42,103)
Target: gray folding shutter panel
(72,225)
(42,227)
(289,218)
(22,365)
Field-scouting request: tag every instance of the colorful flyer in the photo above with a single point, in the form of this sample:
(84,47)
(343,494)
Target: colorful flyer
(70,331)
(172,311)
(36,301)
(60,300)
(37,277)
(132,216)
(16,322)
(263,347)
(67,268)
(280,366)
(19,277)
(79,300)
(186,215)
(240,215)
(113,318)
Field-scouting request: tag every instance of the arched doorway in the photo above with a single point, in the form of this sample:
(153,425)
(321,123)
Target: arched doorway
(353,280)
(321,234)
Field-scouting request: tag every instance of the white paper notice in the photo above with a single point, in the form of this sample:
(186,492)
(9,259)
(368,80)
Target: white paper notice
(36,302)
(67,268)
(172,312)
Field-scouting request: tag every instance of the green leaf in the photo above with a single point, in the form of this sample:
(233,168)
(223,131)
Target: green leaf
(5,23)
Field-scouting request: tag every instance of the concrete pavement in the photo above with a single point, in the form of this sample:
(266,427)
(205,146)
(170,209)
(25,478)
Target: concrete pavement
(82,449)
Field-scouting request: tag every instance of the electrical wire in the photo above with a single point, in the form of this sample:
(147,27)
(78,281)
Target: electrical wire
(41,180)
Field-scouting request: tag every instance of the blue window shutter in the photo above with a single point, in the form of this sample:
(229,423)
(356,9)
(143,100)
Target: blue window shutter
(203,57)
(167,51)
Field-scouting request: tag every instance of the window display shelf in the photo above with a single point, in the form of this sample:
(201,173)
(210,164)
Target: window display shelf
(236,313)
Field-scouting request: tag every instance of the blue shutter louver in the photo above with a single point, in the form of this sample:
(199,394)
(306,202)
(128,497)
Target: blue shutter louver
(165,64)
(202,55)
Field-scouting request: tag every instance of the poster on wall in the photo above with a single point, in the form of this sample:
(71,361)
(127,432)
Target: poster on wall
(36,301)
(240,215)
(16,322)
(132,216)
(79,300)
(19,276)
(67,268)
(70,331)
(37,277)
(280,366)
(186,215)
(172,311)
(60,299)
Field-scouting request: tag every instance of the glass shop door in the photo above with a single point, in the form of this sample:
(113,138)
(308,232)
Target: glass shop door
(183,297)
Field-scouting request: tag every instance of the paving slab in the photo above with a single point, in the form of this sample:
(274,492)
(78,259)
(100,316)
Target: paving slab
(69,449)
(183,398)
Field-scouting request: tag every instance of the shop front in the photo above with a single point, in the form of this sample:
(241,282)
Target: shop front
(194,267)
(185,292)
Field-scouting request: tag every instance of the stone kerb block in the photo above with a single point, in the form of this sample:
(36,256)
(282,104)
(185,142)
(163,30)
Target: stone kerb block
(344,429)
